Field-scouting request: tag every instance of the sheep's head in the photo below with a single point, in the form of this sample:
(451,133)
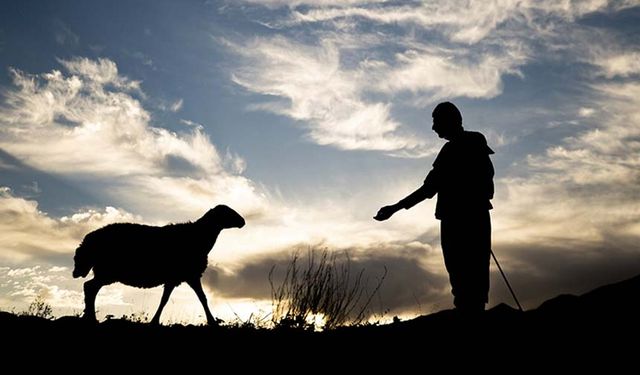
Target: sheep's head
(224,216)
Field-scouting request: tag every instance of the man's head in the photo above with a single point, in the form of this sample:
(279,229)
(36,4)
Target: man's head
(447,120)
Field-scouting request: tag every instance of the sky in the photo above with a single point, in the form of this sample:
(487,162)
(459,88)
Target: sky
(306,117)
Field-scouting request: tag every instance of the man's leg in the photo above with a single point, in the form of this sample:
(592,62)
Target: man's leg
(466,246)
(451,242)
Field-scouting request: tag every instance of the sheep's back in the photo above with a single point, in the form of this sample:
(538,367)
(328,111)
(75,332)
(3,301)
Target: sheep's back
(147,256)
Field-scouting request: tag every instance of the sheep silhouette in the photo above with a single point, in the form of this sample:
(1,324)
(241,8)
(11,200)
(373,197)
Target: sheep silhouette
(146,256)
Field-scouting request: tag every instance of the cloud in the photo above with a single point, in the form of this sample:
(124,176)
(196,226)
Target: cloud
(618,65)
(318,91)
(174,106)
(408,282)
(444,50)
(54,286)
(586,112)
(539,271)
(314,87)
(91,113)
(460,20)
(38,250)
(463,22)
(29,235)
(63,34)
(540,265)
(605,152)
(177,105)
(315,3)
(437,74)
(347,90)
(92,73)
(90,124)
(576,214)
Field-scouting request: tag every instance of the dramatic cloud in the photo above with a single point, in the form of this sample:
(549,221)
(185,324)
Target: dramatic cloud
(89,124)
(92,113)
(327,78)
(407,285)
(320,92)
(329,97)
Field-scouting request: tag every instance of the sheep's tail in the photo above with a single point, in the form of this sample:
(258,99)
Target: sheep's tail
(83,260)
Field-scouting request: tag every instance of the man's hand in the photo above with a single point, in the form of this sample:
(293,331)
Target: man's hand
(386,212)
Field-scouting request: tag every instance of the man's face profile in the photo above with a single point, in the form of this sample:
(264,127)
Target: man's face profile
(440,127)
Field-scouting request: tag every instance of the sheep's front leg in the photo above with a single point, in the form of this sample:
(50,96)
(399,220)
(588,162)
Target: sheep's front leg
(168,288)
(197,287)
(91,289)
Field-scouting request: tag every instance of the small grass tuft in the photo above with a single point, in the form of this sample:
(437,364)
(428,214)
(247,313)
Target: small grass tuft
(40,308)
(324,293)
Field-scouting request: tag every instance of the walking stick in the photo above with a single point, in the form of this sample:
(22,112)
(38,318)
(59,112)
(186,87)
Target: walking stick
(505,280)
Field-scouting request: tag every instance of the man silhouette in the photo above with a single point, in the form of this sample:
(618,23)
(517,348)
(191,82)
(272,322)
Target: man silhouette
(462,176)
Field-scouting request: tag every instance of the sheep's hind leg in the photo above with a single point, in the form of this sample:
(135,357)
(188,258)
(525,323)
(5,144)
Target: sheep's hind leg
(197,287)
(168,288)
(91,289)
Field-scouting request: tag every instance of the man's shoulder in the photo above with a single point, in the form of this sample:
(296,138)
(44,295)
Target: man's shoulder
(478,141)
(474,136)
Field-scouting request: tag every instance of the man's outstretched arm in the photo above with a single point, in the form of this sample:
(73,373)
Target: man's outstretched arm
(428,189)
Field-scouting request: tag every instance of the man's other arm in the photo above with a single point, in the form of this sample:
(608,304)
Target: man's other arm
(428,190)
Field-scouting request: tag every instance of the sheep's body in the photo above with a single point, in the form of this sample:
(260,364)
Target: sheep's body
(146,256)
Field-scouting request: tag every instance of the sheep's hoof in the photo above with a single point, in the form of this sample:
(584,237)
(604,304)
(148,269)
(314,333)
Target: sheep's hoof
(214,322)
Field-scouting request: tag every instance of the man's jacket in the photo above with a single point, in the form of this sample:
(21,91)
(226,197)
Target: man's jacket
(462,176)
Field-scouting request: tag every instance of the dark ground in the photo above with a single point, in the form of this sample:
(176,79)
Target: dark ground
(600,328)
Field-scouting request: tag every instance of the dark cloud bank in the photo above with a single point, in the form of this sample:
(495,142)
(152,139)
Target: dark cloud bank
(416,280)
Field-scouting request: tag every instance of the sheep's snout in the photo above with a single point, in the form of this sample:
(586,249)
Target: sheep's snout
(240,223)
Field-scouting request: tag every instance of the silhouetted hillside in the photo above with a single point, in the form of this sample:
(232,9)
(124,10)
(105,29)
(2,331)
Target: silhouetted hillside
(597,325)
